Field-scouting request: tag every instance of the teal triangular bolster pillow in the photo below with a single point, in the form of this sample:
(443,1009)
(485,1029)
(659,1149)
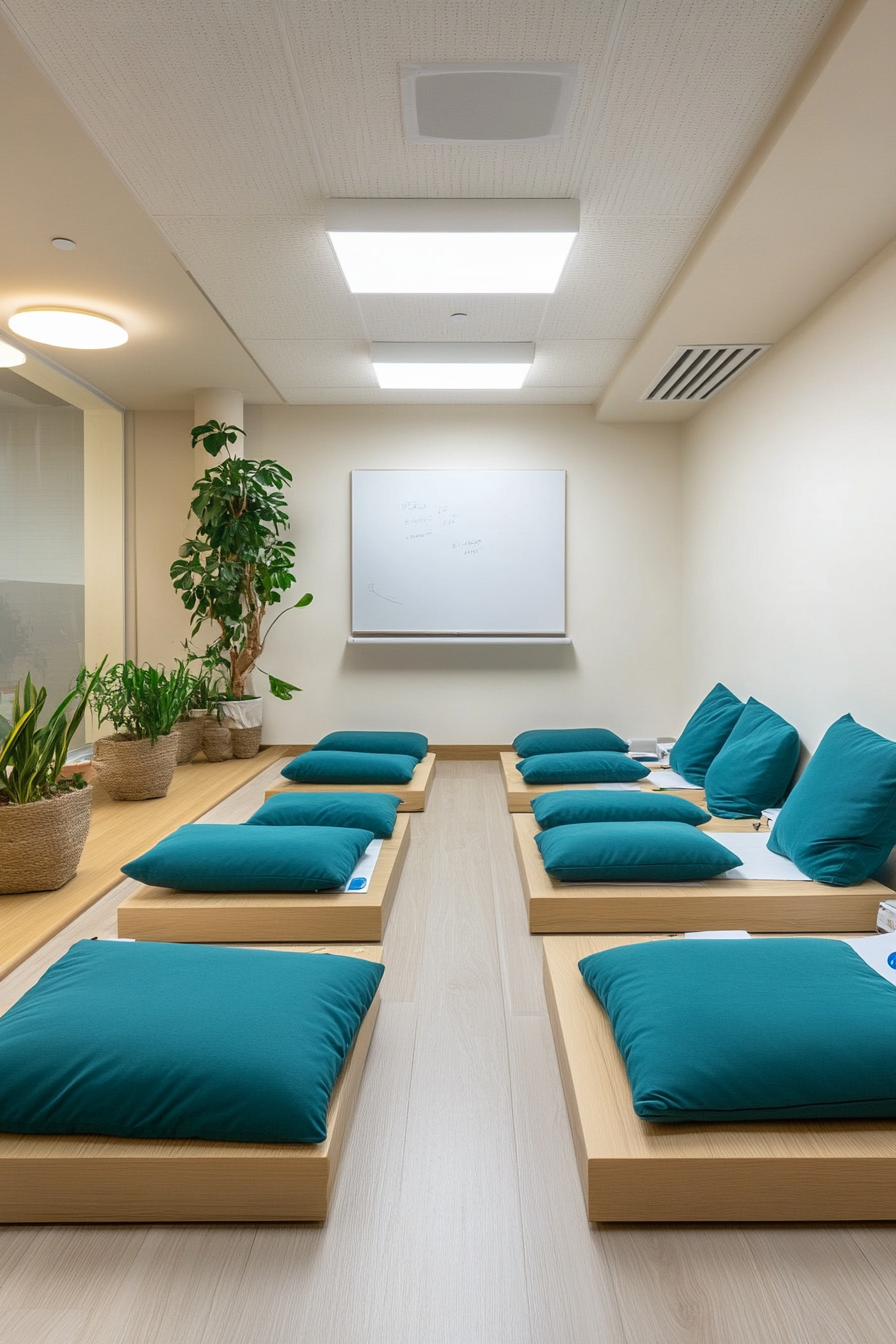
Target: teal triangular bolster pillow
(567,807)
(581,767)
(541,741)
(380,743)
(173,1041)
(374,812)
(750,1029)
(705,733)
(632,851)
(755,766)
(350,767)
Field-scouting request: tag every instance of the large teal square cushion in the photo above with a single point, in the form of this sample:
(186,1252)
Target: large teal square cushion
(581,767)
(705,733)
(755,766)
(632,851)
(839,823)
(541,741)
(374,812)
(750,1029)
(320,766)
(378,743)
(173,1041)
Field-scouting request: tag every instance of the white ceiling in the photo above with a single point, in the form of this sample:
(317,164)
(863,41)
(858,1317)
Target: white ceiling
(233,120)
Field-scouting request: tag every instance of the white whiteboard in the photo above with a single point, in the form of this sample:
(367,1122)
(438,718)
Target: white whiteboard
(458,553)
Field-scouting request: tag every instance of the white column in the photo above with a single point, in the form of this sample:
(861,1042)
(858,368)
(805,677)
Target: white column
(224,405)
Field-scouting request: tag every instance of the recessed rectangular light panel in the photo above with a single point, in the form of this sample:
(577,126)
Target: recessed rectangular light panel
(452,366)
(452,246)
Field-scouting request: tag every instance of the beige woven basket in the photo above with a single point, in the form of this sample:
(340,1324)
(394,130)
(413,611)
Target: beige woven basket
(216,741)
(189,735)
(41,843)
(246,742)
(131,769)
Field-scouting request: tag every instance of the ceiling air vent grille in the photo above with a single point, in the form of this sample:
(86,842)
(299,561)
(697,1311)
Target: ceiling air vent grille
(698,372)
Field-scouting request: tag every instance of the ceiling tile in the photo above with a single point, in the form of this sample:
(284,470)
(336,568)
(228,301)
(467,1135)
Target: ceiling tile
(427,317)
(357,396)
(576,363)
(315,363)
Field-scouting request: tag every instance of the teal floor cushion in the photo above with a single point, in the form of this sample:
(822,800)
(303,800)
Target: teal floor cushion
(173,1041)
(750,1029)
(839,823)
(705,733)
(632,851)
(350,767)
(541,741)
(374,812)
(581,767)
(755,766)
(252,858)
(387,743)
(568,806)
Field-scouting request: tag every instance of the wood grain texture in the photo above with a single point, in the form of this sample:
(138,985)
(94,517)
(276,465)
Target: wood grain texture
(413,795)
(118,833)
(720,903)
(633,1171)
(162,915)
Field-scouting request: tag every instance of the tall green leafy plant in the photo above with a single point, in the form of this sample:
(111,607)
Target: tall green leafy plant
(31,757)
(238,565)
(139,700)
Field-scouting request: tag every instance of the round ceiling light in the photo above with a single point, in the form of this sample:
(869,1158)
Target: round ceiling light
(10,356)
(69,327)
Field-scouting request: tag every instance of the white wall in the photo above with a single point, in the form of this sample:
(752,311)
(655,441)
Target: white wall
(789,519)
(623,576)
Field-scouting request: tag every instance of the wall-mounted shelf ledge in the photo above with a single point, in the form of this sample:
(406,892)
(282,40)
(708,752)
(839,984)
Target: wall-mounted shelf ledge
(491,640)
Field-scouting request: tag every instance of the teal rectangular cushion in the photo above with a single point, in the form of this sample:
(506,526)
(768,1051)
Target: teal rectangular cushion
(379,743)
(581,767)
(754,768)
(542,741)
(705,733)
(350,767)
(839,823)
(252,858)
(632,851)
(174,1041)
(750,1028)
(566,808)
(374,812)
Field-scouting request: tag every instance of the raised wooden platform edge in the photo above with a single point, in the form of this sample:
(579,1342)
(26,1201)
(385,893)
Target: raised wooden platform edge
(520,796)
(415,793)
(89,1179)
(633,1171)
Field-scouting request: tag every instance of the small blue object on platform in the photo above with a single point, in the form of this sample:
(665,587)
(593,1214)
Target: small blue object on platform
(632,851)
(380,743)
(252,858)
(541,741)
(374,812)
(839,823)
(582,767)
(755,766)
(750,1029)
(705,733)
(566,807)
(350,767)
(174,1041)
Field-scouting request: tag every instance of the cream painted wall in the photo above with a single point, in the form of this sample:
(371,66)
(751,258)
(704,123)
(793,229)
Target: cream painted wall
(789,513)
(623,571)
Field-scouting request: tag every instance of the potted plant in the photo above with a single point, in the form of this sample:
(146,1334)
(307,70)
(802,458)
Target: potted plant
(143,704)
(237,566)
(44,818)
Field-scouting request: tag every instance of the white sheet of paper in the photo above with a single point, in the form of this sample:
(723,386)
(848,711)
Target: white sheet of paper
(758,863)
(668,779)
(719,933)
(879,951)
(364,867)
(629,787)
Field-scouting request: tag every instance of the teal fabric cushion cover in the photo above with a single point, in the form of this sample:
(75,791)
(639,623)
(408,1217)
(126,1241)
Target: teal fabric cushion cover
(566,808)
(251,858)
(632,851)
(173,1041)
(542,741)
(384,743)
(350,767)
(705,733)
(754,768)
(750,1029)
(581,767)
(839,823)
(374,812)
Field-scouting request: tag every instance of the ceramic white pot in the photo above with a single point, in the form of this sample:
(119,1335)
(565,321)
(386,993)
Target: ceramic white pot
(242,713)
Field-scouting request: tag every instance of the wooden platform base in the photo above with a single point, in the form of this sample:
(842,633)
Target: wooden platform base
(87,1179)
(161,915)
(720,903)
(413,795)
(636,1172)
(520,795)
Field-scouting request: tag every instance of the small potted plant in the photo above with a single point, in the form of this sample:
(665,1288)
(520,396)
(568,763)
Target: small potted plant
(143,704)
(44,818)
(235,568)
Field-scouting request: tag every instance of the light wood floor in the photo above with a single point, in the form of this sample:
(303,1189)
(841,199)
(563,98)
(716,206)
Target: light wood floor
(458,1216)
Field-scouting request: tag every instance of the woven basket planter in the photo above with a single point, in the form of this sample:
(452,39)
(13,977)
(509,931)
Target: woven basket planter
(216,741)
(189,736)
(246,742)
(131,769)
(41,843)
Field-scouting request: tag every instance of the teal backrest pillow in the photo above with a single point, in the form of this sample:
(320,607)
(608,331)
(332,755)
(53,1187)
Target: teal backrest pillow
(754,768)
(350,767)
(705,733)
(396,744)
(839,823)
(540,741)
(581,767)
(374,812)
(566,807)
